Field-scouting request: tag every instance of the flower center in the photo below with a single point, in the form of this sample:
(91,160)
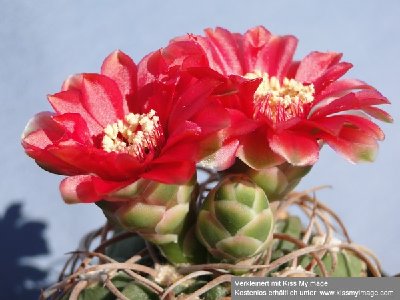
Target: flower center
(136,134)
(280,101)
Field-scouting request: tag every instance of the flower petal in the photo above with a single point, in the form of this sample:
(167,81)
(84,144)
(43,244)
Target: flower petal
(240,123)
(254,40)
(212,118)
(184,53)
(110,166)
(156,96)
(354,145)
(120,67)
(43,131)
(76,148)
(359,100)
(88,188)
(378,113)
(73,82)
(74,127)
(70,101)
(179,172)
(297,149)
(332,74)
(214,58)
(315,64)
(276,57)
(43,121)
(225,46)
(144,75)
(341,87)
(294,66)
(362,124)
(188,150)
(334,124)
(102,98)
(222,158)
(235,92)
(185,130)
(62,145)
(35,144)
(192,100)
(256,152)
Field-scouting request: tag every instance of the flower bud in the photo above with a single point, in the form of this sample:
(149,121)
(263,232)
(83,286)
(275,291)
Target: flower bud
(235,221)
(278,181)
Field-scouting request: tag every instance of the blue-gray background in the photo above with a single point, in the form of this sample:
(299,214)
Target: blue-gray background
(42,42)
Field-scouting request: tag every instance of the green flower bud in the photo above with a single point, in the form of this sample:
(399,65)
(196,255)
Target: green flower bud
(235,221)
(278,181)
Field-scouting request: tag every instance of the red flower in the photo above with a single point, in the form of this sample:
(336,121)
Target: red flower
(290,107)
(108,131)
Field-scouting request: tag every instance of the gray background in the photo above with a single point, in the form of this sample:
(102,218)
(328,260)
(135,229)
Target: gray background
(42,42)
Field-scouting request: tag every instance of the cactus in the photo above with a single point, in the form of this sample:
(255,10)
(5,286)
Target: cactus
(278,181)
(347,264)
(216,293)
(291,225)
(160,214)
(235,221)
(123,283)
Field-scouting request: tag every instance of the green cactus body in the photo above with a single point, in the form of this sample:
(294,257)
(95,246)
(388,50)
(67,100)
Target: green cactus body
(186,250)
(235,222)
(278,181)
(292,226)
(125,284)
(347,264)
(159,213)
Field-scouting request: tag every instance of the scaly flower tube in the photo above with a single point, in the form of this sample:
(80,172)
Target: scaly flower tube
(281,110)
(108,130)
(160,213)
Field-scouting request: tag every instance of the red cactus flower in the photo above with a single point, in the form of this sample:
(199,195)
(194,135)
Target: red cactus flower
(107,131)
(290,107)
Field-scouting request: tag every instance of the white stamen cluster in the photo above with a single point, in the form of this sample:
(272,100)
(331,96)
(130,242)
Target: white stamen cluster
(280,101)
(136,134)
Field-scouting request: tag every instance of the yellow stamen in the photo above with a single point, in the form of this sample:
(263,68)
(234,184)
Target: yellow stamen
(136,134)
(280,101)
